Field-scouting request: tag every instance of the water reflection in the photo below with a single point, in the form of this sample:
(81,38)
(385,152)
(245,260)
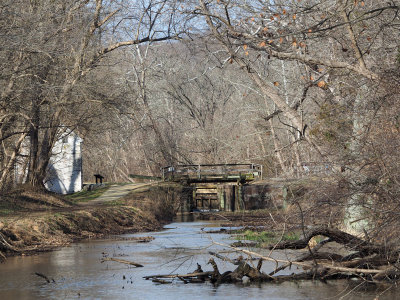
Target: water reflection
(79,273)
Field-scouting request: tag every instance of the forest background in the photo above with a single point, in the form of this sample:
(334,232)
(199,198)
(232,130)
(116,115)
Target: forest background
(150,83)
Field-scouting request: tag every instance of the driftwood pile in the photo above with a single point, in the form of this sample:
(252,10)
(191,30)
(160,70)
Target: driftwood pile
(365,260)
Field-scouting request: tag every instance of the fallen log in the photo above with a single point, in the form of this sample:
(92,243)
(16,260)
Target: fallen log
(304,264)
(216,276)
(122,261)
(318,271)
(244,269)
(350,241)
(307,256)
(371,262)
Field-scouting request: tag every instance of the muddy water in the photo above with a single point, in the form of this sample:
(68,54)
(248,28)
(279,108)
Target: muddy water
(79,274)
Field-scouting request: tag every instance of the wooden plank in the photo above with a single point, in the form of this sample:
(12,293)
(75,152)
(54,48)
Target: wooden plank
(208,196)
(205,191)
(214,204)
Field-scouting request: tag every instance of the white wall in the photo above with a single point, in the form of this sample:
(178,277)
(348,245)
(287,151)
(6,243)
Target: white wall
(64,174)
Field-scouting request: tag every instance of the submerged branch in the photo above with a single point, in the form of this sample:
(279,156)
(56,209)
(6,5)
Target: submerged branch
(122,261)
(45,277)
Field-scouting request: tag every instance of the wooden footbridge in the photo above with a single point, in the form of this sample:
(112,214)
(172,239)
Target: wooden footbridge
(212,173)
(213,186)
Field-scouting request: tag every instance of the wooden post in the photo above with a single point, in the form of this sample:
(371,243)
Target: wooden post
(221,197)
(98,178)
(229,195)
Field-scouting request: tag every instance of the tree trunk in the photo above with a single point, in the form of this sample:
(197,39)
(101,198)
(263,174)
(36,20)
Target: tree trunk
(11,162)
(34,143)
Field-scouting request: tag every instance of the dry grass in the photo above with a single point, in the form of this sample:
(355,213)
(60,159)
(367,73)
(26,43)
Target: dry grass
(25,198)
(162,200)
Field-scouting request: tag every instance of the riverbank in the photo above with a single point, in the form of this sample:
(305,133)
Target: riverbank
(27,235)
(45,221)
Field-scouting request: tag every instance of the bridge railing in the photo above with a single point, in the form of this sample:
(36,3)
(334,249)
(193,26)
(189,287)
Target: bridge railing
(212,172)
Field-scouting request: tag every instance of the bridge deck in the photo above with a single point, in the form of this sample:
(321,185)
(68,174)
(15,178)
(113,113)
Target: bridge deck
(212,173)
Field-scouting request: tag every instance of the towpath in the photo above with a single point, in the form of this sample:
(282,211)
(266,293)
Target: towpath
(114,193)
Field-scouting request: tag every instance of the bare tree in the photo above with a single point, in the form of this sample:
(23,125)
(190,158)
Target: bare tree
(59,44)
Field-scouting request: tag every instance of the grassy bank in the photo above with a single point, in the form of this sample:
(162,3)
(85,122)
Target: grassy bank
(85,195)
(265,238)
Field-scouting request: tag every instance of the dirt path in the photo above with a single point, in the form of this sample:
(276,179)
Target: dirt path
(114,193)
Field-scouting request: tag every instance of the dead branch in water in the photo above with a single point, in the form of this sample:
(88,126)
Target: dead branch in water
(45,277)
(122,261)
(371,262)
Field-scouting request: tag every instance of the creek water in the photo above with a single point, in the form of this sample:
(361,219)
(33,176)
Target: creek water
(79,274)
